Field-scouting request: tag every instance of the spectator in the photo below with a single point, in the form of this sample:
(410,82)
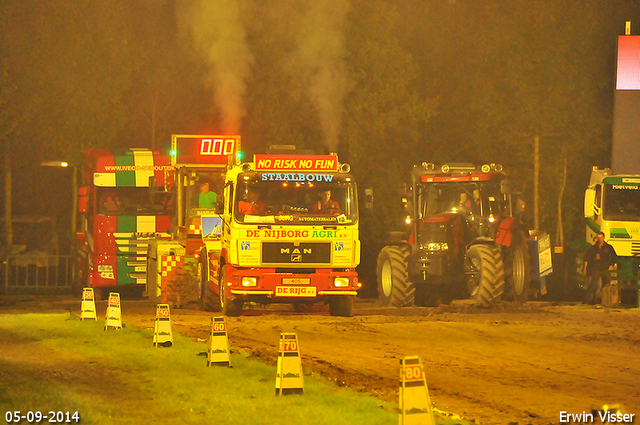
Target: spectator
(598,261)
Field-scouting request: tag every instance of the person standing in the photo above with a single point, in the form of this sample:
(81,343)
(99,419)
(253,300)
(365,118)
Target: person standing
(598,261)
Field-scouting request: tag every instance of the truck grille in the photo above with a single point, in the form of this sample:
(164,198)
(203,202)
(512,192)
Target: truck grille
(635,248)
(289,253)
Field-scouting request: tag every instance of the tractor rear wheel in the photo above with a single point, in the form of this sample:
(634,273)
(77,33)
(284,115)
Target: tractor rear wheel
(517,270)
(394,287)
(485,271)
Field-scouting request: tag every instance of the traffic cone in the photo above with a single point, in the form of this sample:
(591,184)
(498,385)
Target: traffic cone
(289,379)
(162,336)
(415,404)
(88,307)
(218,352)
(114,318)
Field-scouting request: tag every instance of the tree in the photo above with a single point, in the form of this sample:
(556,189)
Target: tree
(385,113)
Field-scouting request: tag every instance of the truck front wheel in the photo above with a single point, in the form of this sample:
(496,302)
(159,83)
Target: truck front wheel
(232,308)
(485,273)
(394,287)
(341,306)
(209,300)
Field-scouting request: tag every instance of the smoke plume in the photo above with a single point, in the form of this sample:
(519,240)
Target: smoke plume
(319,60)
(215,28)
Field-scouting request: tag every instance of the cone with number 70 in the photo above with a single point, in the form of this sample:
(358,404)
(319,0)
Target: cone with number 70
(289,378)
(415,404)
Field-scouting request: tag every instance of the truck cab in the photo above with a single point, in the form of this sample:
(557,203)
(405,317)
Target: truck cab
(288,234)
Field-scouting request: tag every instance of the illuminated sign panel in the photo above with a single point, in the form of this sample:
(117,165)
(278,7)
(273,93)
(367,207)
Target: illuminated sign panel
(628,77)
(295,162)
(203,150)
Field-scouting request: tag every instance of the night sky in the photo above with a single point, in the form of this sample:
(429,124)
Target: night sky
(386,84)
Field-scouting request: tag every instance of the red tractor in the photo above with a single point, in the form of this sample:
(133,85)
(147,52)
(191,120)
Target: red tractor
(465,240)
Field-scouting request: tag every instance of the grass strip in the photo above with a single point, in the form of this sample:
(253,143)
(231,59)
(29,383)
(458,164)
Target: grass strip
(118,377)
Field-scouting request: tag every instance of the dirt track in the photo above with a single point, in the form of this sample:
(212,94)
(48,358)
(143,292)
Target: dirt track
(510,364)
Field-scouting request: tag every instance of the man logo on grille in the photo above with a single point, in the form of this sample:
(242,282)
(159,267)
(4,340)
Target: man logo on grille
(296,258)
(244,246)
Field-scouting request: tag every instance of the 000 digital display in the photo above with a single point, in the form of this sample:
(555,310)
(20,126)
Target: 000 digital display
(210,150)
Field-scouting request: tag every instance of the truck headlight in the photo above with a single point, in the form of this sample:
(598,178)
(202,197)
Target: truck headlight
(105,268)
(341,282)
(249,281)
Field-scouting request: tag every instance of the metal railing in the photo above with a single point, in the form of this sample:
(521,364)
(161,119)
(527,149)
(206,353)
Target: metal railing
(41,275)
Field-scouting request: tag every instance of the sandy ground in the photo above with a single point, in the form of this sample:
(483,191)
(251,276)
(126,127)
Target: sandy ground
(510,364)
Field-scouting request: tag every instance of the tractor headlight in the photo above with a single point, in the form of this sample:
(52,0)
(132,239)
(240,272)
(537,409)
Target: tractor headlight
(341,282)
(435,246)
(249,281)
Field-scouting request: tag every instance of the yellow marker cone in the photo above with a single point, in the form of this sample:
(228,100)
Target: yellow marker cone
(415,404)
(88,307)
(289,379)
(114,318)
(218,352)
(162,335)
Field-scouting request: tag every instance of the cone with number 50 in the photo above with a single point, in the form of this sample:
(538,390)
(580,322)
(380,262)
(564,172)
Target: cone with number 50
(162,335)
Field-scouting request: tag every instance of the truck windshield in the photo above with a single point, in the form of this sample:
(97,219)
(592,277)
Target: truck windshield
(260,200)
(133,201)
(621,202)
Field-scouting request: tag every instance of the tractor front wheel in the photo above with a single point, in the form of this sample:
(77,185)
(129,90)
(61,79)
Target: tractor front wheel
(517,270)
(394,287)
(485,273)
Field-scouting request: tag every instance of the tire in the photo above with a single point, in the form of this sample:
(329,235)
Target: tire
(394,287)
(485,273)
(341,306)
(231,308)
(101,293)
(209,300)
(517,272)
(430,295)
(308,308)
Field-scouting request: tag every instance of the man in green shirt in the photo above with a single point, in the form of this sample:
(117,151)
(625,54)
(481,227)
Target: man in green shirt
(206,198)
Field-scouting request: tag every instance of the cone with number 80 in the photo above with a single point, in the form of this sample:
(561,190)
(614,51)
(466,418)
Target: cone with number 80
(415,404)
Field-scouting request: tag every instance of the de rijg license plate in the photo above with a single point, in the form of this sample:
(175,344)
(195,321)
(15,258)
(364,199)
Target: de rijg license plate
(295,291)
